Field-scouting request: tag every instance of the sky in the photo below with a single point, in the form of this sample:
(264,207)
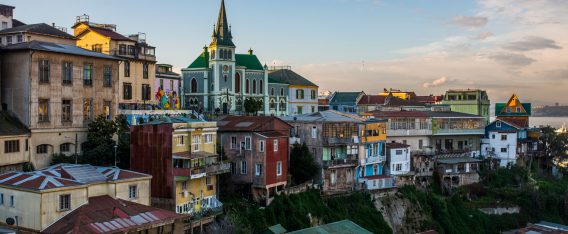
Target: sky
(428,46)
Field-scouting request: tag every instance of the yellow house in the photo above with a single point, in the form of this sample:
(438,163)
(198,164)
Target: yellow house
(42,197)
(406,95)
(137,71)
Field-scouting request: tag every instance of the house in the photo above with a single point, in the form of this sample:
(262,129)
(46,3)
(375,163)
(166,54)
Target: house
(6,16)
(514,111)
(181,155)
(167,88)
(220,80)
(500,142)
(323,104)
(369,103)
(279,97)
(56,90)
(469,101)
(399,163)
(423,168)
(137,71)
(36,32)
(457,170)
(41,198)
(303,93)
(371,171)
(345,101)
(259,149)
(14,142)
(104,214)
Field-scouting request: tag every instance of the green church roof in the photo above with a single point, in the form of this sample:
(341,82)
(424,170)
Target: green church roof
(500,106)
(250,61)
(202,61)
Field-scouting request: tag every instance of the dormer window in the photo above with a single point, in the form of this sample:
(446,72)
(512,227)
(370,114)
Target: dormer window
(498,124)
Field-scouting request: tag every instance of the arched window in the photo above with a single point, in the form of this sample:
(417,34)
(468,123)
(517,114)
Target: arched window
(42,149)
(213,54)
(254,86)
(222,54)
(282,105)
(281,91)
(260,88)
(272,91)
(237,83)
(247,86)
(272,104)
(193,85)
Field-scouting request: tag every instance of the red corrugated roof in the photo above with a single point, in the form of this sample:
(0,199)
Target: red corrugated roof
(517,122)
(103,214)
(372,100)
(248,123)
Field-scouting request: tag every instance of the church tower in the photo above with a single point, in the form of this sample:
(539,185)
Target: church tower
(222,62)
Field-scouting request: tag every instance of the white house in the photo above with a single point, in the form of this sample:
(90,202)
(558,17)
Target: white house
(501,142)
(398,157)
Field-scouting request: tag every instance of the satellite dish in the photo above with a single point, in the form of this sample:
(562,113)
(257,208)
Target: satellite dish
(10,221)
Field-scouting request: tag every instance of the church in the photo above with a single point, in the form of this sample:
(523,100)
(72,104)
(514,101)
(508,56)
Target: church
(220,80)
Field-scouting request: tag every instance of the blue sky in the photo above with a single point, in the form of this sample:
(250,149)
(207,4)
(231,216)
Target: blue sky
(427,46)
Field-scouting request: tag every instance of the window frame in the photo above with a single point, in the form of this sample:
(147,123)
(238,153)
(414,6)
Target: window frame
(275,142)
(261,146)
(11,146)
(248,143)
(107,76)
(43,104)
(64,202)
(88,70)
(67,111)
(243,167)
(133,191)
(44,72)
(279,168)
(67,73)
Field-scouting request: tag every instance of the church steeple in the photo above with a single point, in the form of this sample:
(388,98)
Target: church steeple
(222,34)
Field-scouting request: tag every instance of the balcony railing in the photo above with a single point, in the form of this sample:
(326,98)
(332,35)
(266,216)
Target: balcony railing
(409,132)
(218,168)
(338,162)
(182,171)
(473,131)
(198,172)
(374,159)
(338,141)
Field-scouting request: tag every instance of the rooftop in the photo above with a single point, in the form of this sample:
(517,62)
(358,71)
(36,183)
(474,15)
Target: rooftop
(40,28)
(325,116)
(232,123)
(11,126)
(104,214)
(420,114)
(455,160)
(345,97)
(343,226)
(289,77)
(57,48)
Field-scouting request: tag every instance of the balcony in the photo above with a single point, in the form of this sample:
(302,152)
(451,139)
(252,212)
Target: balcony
(198,172)
(218,168)
(339,162)
(338,141)
(182,171)
(409,132)
(463,131)
(374,159)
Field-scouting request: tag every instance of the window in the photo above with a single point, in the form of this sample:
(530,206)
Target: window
(279,168)
(88,74)
(122,49)
(299,94)
(313,109)
(145,92)
(107,109)
(1,199)
(4,25)
(67,72)
(260,87)
(195,142)
(233,142)
(271,91)
(43,70)
(184,185)
(314,132)
(127,91)
(503,150)
(97,48)
(420,144)
(493,136)
(208,138)
(193,87)
(300,110)
(518,109)
(107,73)
(498,124)
(131,50)
(180,140)
(398,152)
(253,86)
(281,91)
(66,111)
(237,83)
(41,149)
(275,145)
(43,110)
(313,95)
(247,143)
(504,137)
(65,147)
(12,146)
(261,146)
(509,109)
(397,167)
(12,201)
(243,167)
(20,38)
(9,40)
(126,68)
(145,70)
(210,187)
(132,191)
(64,202)
(87,109)
(258,169)
(247,86)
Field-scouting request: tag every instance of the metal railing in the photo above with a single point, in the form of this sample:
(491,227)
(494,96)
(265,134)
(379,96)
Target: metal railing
(218,168)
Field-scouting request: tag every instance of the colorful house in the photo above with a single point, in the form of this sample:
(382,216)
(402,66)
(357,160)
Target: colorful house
(345,101)
(500,141)
(514,111)
(180,153)
(370,172)
(167,88)
(303,94)
(469,101)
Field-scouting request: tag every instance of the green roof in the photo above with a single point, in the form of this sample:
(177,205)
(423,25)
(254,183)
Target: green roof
(275,81)
(250,61)
(344,97)
(500,106)
(202,61)
(343,226)
(276,229)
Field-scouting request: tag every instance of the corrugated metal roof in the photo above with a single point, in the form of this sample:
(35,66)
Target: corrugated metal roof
(57,48)
(343,226)
(288,76)
(40,28)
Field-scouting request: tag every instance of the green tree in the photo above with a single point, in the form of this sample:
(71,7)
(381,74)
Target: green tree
(555,145)
(99,148)
(123,134)
(61,158)
(302,164)
(252,105)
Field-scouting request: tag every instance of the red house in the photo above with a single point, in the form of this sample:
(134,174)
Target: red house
(258,149)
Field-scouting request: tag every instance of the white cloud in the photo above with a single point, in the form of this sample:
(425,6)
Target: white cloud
(532,43)
(437,82)
(470,21)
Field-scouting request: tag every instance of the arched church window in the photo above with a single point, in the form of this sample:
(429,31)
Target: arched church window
(212,54)
(247,86)
(260,87)
(281,91)
(254,86)
(237,83)
(193,85)
(272,91)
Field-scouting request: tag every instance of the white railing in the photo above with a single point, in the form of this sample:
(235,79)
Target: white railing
(409,132)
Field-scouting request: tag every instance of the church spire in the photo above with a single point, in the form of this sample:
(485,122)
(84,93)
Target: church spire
(222,35)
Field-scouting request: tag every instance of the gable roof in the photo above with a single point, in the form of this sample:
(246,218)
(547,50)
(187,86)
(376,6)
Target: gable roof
(106,32)
(501,108)
(345,97)
(104,214)
(325,116)
(372,100)
(35,181)
(517,122)
(250,61)
(58,48)
(40,28)
(232,123)
(202,61)
(289,77)
(343,226)
(11,126)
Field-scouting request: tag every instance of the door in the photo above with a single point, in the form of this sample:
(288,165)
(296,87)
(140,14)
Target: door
(225,108)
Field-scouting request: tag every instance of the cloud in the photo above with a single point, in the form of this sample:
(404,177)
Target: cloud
(483,35)
(470,21)
(532,43)
(437,82)
(511,59)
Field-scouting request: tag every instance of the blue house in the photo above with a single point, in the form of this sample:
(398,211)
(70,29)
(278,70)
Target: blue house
(345,101)
(500,141)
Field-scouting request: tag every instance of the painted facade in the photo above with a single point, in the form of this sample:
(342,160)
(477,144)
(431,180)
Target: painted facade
(398,156)
(500,142)
(219,80)
(345,101)
(302,93)
(371,171)
(469,101)
(14,140)
(181,155)
(168,88)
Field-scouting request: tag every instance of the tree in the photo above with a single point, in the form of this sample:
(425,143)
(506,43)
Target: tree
(555,145)
(252,105)
(99,148)
(61,158)
(123,134)
(302,164)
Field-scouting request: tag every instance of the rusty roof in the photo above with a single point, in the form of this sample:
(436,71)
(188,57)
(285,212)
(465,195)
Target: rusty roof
(372,100)
(104,214)
(232,123)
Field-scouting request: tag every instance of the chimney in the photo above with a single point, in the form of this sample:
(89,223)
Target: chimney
(250,51)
